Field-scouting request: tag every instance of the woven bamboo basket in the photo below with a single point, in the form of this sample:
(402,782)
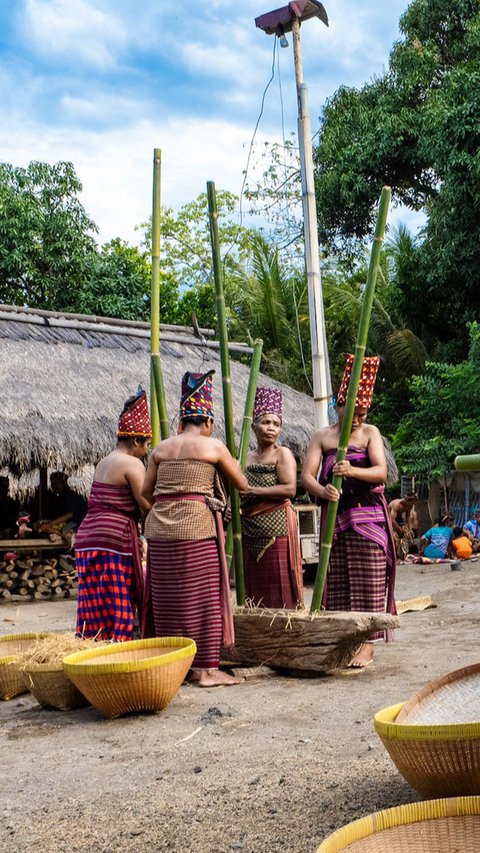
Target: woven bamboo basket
(436,826)
(12,645)
(436,760)
(454,698)
(140,675)
(51,687)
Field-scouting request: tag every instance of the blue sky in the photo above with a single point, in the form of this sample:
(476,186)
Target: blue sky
(102,83)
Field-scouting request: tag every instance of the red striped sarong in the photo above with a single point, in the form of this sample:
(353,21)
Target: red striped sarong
(276,579)
(107,555)
(185,594)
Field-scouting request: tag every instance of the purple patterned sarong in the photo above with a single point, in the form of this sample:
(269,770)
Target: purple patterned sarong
(362,563)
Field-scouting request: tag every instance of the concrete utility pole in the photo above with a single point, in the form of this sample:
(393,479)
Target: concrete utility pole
(279,22)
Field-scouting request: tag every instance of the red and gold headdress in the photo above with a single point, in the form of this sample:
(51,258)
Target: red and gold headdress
(367,381)
(135,418)
(197,399)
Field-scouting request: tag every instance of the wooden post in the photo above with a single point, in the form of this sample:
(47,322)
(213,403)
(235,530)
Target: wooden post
(346,428)
(158,406)
(226,383)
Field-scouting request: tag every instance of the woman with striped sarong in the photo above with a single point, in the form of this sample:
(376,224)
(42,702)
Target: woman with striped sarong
(362,563)
(187,589)
(107,552)
(271,547)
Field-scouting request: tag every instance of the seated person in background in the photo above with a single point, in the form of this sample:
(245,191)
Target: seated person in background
(8,510)
(472,530)
(404,522)
(67,510)
(436,542)
(23,525)
(461,544)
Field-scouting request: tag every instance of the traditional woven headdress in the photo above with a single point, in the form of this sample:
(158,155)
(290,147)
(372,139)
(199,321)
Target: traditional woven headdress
(366,384)
(197,395)
(135,419)
(267,401)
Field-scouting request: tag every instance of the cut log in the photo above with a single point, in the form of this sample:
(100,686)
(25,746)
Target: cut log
(294,640)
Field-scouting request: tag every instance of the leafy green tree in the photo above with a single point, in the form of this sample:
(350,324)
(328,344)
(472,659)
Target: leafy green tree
(119,285)
(445,419)
(47,246)
(416,128)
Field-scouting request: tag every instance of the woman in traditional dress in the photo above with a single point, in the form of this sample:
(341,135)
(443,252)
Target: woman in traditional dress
(362,561)
(107,552)
(271,548)
(187,585)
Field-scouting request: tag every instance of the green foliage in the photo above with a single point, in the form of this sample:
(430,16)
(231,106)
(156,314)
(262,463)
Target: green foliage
(445,420)
(118,285)
(415,128)
(47,248)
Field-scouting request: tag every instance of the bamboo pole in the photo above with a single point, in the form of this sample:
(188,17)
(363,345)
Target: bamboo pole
(158,414)
(467,463)
(243,451)
(226,383)
(329,526)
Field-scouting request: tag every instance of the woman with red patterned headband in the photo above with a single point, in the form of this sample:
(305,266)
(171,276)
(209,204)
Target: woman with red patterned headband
(107,550)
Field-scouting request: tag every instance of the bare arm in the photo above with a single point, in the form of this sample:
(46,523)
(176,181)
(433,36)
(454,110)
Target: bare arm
(310,471)
(231,469)
(149,481)
(393,516)
(49,526)
(286,476)
(134,476)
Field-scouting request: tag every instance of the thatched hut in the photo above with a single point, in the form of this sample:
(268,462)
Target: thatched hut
(65,378)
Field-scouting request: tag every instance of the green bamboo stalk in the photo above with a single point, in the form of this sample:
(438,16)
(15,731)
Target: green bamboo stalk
(244,440)
(329,526)
(467,463)
(249,403)
(226,384)
(159,416)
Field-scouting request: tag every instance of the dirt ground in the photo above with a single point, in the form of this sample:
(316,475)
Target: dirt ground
(274,765)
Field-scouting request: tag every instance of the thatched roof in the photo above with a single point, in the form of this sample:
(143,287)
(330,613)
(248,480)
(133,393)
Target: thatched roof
(65,378)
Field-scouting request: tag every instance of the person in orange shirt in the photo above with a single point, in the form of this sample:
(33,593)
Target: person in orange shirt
(461,544)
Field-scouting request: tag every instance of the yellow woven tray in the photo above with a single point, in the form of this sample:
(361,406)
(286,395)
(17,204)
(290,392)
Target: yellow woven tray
(51,687)
(437,826)
(141,675)
(11,646)
(436,760)
(452,699)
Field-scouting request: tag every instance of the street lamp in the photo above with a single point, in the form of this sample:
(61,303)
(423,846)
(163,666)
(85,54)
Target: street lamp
(279,22)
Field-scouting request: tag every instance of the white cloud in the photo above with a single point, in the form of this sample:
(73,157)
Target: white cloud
(75,30)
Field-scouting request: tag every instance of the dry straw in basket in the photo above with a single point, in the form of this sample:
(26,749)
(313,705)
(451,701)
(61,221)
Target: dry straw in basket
(41,668)
(11,646)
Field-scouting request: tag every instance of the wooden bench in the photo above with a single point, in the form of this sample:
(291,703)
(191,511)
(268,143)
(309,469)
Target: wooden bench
(22,545)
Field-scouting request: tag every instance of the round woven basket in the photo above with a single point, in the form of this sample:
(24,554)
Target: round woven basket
(436,826)
(51,687)
(140,675)
(436,760)
(454,698)
(11,646)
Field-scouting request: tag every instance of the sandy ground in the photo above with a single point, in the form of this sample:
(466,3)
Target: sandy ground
(275,764)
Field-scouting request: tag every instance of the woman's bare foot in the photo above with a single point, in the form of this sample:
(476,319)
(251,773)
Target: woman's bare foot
(214,678)
(363,658)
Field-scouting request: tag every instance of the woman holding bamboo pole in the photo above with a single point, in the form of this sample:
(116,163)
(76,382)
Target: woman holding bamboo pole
(271,549)
(362,561)
(187,590)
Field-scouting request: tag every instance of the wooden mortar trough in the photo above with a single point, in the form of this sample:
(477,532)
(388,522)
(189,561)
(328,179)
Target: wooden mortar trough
(292,639)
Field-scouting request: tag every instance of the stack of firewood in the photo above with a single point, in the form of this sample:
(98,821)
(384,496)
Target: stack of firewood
(37,577)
